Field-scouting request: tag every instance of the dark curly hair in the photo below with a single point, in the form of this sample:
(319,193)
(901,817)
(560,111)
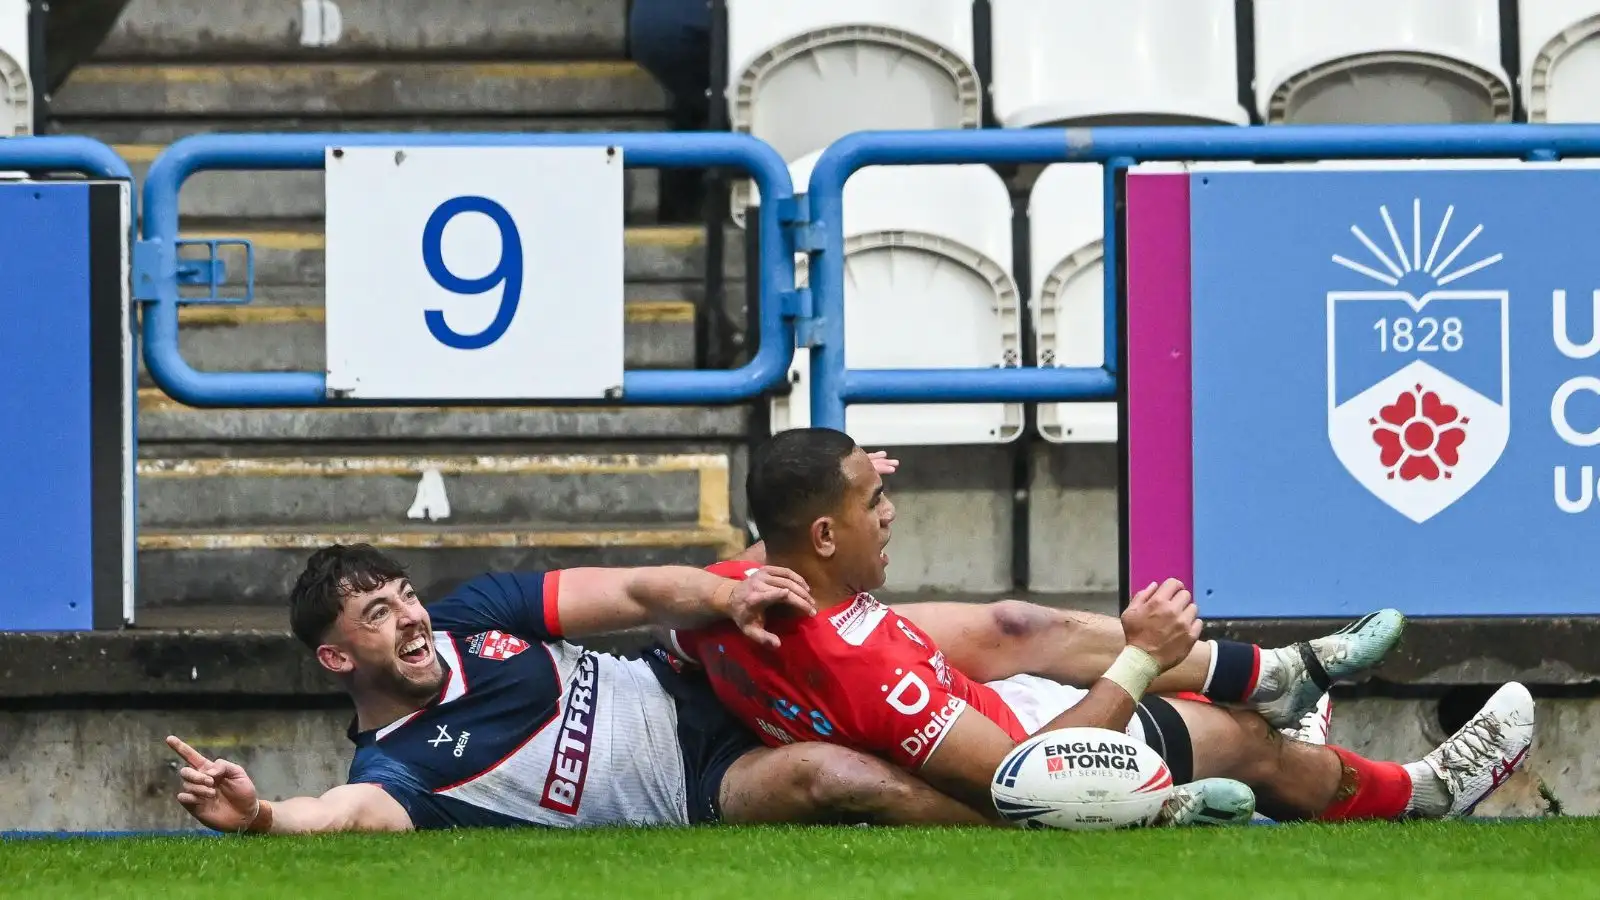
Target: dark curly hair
(331,575)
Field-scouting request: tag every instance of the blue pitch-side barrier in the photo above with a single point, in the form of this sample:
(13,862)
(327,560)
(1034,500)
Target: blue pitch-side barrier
(156,263)
(812,224)
(834,385)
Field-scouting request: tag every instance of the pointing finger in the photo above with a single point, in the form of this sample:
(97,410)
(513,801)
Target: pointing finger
(190,755)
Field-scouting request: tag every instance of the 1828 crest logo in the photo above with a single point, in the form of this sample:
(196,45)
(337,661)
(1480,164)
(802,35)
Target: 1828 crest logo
(1419,372)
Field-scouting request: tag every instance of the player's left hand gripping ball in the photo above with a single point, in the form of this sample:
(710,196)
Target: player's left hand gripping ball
(773,587)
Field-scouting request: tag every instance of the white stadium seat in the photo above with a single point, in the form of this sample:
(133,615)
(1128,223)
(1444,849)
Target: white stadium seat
(1092,61)
(1561,60)
(1067,224)
(1380,61)
(801,75)
(16,89)
(928,285)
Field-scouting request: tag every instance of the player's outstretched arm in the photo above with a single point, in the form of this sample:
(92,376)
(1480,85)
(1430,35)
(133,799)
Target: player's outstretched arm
(596,601)
(993,641)
(221,796)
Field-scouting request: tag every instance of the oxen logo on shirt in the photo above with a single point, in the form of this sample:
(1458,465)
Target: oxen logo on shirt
(496,645)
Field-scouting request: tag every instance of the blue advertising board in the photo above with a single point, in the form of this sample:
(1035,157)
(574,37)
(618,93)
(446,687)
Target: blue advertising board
(65,407)
(1395,388)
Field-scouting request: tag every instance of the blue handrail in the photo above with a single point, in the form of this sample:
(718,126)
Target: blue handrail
(306,151)
(83,155)
(833,385)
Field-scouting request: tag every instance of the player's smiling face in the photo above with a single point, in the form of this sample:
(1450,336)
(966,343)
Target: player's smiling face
(386,640)
(862,526)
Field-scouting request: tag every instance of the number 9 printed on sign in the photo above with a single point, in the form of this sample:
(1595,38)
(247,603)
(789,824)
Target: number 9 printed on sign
(474,273)
(507,272)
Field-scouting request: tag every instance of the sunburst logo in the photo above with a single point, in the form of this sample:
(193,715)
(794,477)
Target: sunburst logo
(1421,426)
(1412,264)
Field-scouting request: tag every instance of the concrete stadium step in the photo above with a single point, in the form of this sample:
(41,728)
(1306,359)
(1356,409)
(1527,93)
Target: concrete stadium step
(116,131)
(294,256)
(658,334)
(580,491)
(257,567)
(240,30)
(163,420)
(259,195)
(359,89)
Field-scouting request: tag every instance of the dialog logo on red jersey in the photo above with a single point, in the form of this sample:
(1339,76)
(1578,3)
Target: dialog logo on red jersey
(496,645)
(569,766)
(910,694)
(925,738)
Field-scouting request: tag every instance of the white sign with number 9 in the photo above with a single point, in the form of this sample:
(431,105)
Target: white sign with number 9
(474,273)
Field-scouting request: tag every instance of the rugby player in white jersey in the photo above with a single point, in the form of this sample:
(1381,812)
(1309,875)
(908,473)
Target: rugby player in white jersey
(476,711)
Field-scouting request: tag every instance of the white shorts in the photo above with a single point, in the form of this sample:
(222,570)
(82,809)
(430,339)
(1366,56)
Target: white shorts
(1035,701)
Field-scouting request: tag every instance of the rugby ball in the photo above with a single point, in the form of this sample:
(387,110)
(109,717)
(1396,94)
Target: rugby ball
(1081,779)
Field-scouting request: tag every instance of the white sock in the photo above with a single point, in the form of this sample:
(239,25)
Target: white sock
(1274,675)
(1429,795)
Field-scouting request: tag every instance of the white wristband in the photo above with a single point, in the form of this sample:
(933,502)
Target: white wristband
(1133,671)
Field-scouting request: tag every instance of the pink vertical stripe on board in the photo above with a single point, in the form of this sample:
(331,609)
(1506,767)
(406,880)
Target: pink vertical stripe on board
(1160,383)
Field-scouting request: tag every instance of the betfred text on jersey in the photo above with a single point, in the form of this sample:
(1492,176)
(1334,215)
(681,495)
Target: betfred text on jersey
(563,786)
(927,737)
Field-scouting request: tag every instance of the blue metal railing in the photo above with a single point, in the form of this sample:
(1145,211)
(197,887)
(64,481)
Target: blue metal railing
(157,280)
(63,154)
(833,385)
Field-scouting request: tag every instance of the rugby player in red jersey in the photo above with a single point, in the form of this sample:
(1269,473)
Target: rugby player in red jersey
(861,674)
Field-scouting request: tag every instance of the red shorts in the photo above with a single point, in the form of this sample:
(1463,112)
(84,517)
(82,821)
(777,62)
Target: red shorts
(857,674)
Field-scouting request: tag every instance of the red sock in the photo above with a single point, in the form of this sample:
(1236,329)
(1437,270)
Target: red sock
(1368,789)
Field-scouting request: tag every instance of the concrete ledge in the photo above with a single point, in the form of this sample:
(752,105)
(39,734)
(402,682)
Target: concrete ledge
(240,30)
(187,665)
(112,130)
(265,338)
(1551,652)
(1550,656)
(331,90)
(164,420)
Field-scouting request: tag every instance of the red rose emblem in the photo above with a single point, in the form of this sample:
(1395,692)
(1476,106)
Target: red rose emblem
(1419,436)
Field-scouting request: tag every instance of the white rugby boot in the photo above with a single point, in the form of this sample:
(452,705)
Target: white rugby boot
(1314,726)
(1209,801)
(1294,678)
(1457,776)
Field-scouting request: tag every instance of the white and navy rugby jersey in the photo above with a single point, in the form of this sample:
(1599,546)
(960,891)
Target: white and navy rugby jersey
(529,729)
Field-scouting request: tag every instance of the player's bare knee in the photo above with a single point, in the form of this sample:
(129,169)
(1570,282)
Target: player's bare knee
(841,783)
(1261,749)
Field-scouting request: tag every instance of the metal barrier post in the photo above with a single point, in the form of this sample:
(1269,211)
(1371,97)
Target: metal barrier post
(159,288)
(834,386)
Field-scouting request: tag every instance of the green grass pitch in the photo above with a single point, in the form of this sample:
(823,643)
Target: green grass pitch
(1410,861)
